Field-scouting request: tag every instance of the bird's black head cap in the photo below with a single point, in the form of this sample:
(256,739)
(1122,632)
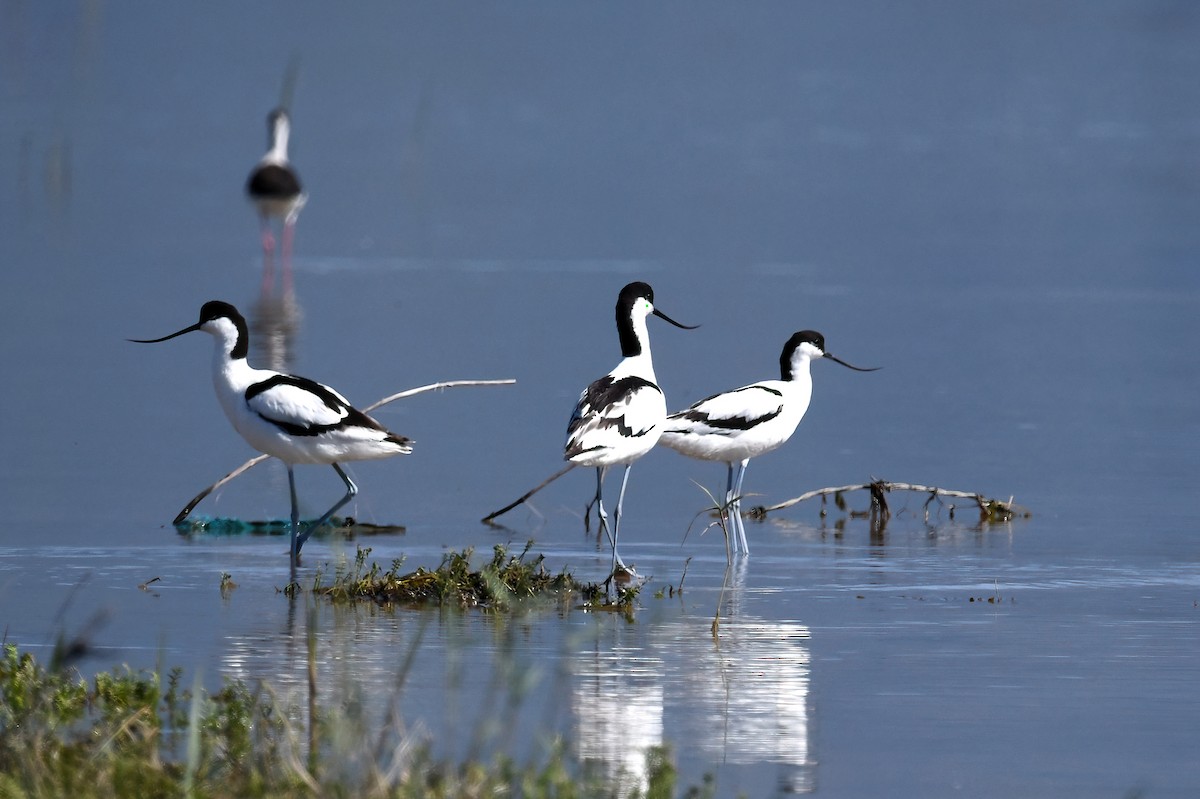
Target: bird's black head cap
(793,343)
(216,309)
(629,295)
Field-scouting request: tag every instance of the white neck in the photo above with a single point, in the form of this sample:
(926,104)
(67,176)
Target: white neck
(279,143)
(801,362)
(231,376)
(641,364)
(637,366)
(799,388)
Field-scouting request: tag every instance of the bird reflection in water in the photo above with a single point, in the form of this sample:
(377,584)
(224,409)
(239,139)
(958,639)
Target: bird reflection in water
(274,322)
(617,696)
(738,699)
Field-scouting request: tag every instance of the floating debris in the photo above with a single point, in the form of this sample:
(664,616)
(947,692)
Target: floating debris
(228,526)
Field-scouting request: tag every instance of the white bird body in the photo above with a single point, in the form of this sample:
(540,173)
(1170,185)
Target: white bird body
(735,426)
(742,423)
(289,417)
(293,418)
(619,417)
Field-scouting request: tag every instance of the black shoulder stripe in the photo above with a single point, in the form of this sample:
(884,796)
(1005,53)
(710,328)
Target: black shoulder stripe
(767,389)
(730,422)
(601,394)
(606,391)
(740,422)
(311,386)
(353,418)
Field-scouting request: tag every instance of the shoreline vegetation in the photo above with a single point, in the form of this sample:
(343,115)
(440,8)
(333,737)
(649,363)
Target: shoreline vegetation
(140,734)
(128,733)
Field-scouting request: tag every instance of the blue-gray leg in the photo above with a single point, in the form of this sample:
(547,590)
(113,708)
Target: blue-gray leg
(294,552)
(601,514)
(736,514)
(616,561)
(731,533)
(351,490)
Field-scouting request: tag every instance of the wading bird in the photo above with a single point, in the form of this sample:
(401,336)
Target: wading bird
(737,425)
(292,418)
(274,188)
(619,417)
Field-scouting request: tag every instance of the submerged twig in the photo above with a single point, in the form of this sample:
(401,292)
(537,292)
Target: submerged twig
(310,630)
(181,517)
(721,522)
(990,510)
(524,497)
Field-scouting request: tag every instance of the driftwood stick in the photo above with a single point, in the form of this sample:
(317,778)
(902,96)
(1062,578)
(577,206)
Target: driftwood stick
(521,499)
(990,509)
(181,517)
(437,387)
(761,510)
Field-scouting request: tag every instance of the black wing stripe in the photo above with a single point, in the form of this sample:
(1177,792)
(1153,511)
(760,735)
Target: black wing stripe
(598,396)
(353,416)
(732,423)
(604,393)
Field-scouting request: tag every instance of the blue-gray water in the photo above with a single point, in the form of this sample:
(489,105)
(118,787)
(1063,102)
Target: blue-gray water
(995,202)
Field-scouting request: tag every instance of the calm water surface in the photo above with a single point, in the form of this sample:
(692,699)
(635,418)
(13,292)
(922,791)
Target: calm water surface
(997,204)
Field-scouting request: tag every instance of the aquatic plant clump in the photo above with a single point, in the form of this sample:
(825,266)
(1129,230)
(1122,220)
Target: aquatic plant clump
(499,583)
(127,734)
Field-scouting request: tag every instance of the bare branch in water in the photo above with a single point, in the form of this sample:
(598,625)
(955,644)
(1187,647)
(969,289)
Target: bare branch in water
(524,497)
(181,517)
(437,387)
(990,510)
